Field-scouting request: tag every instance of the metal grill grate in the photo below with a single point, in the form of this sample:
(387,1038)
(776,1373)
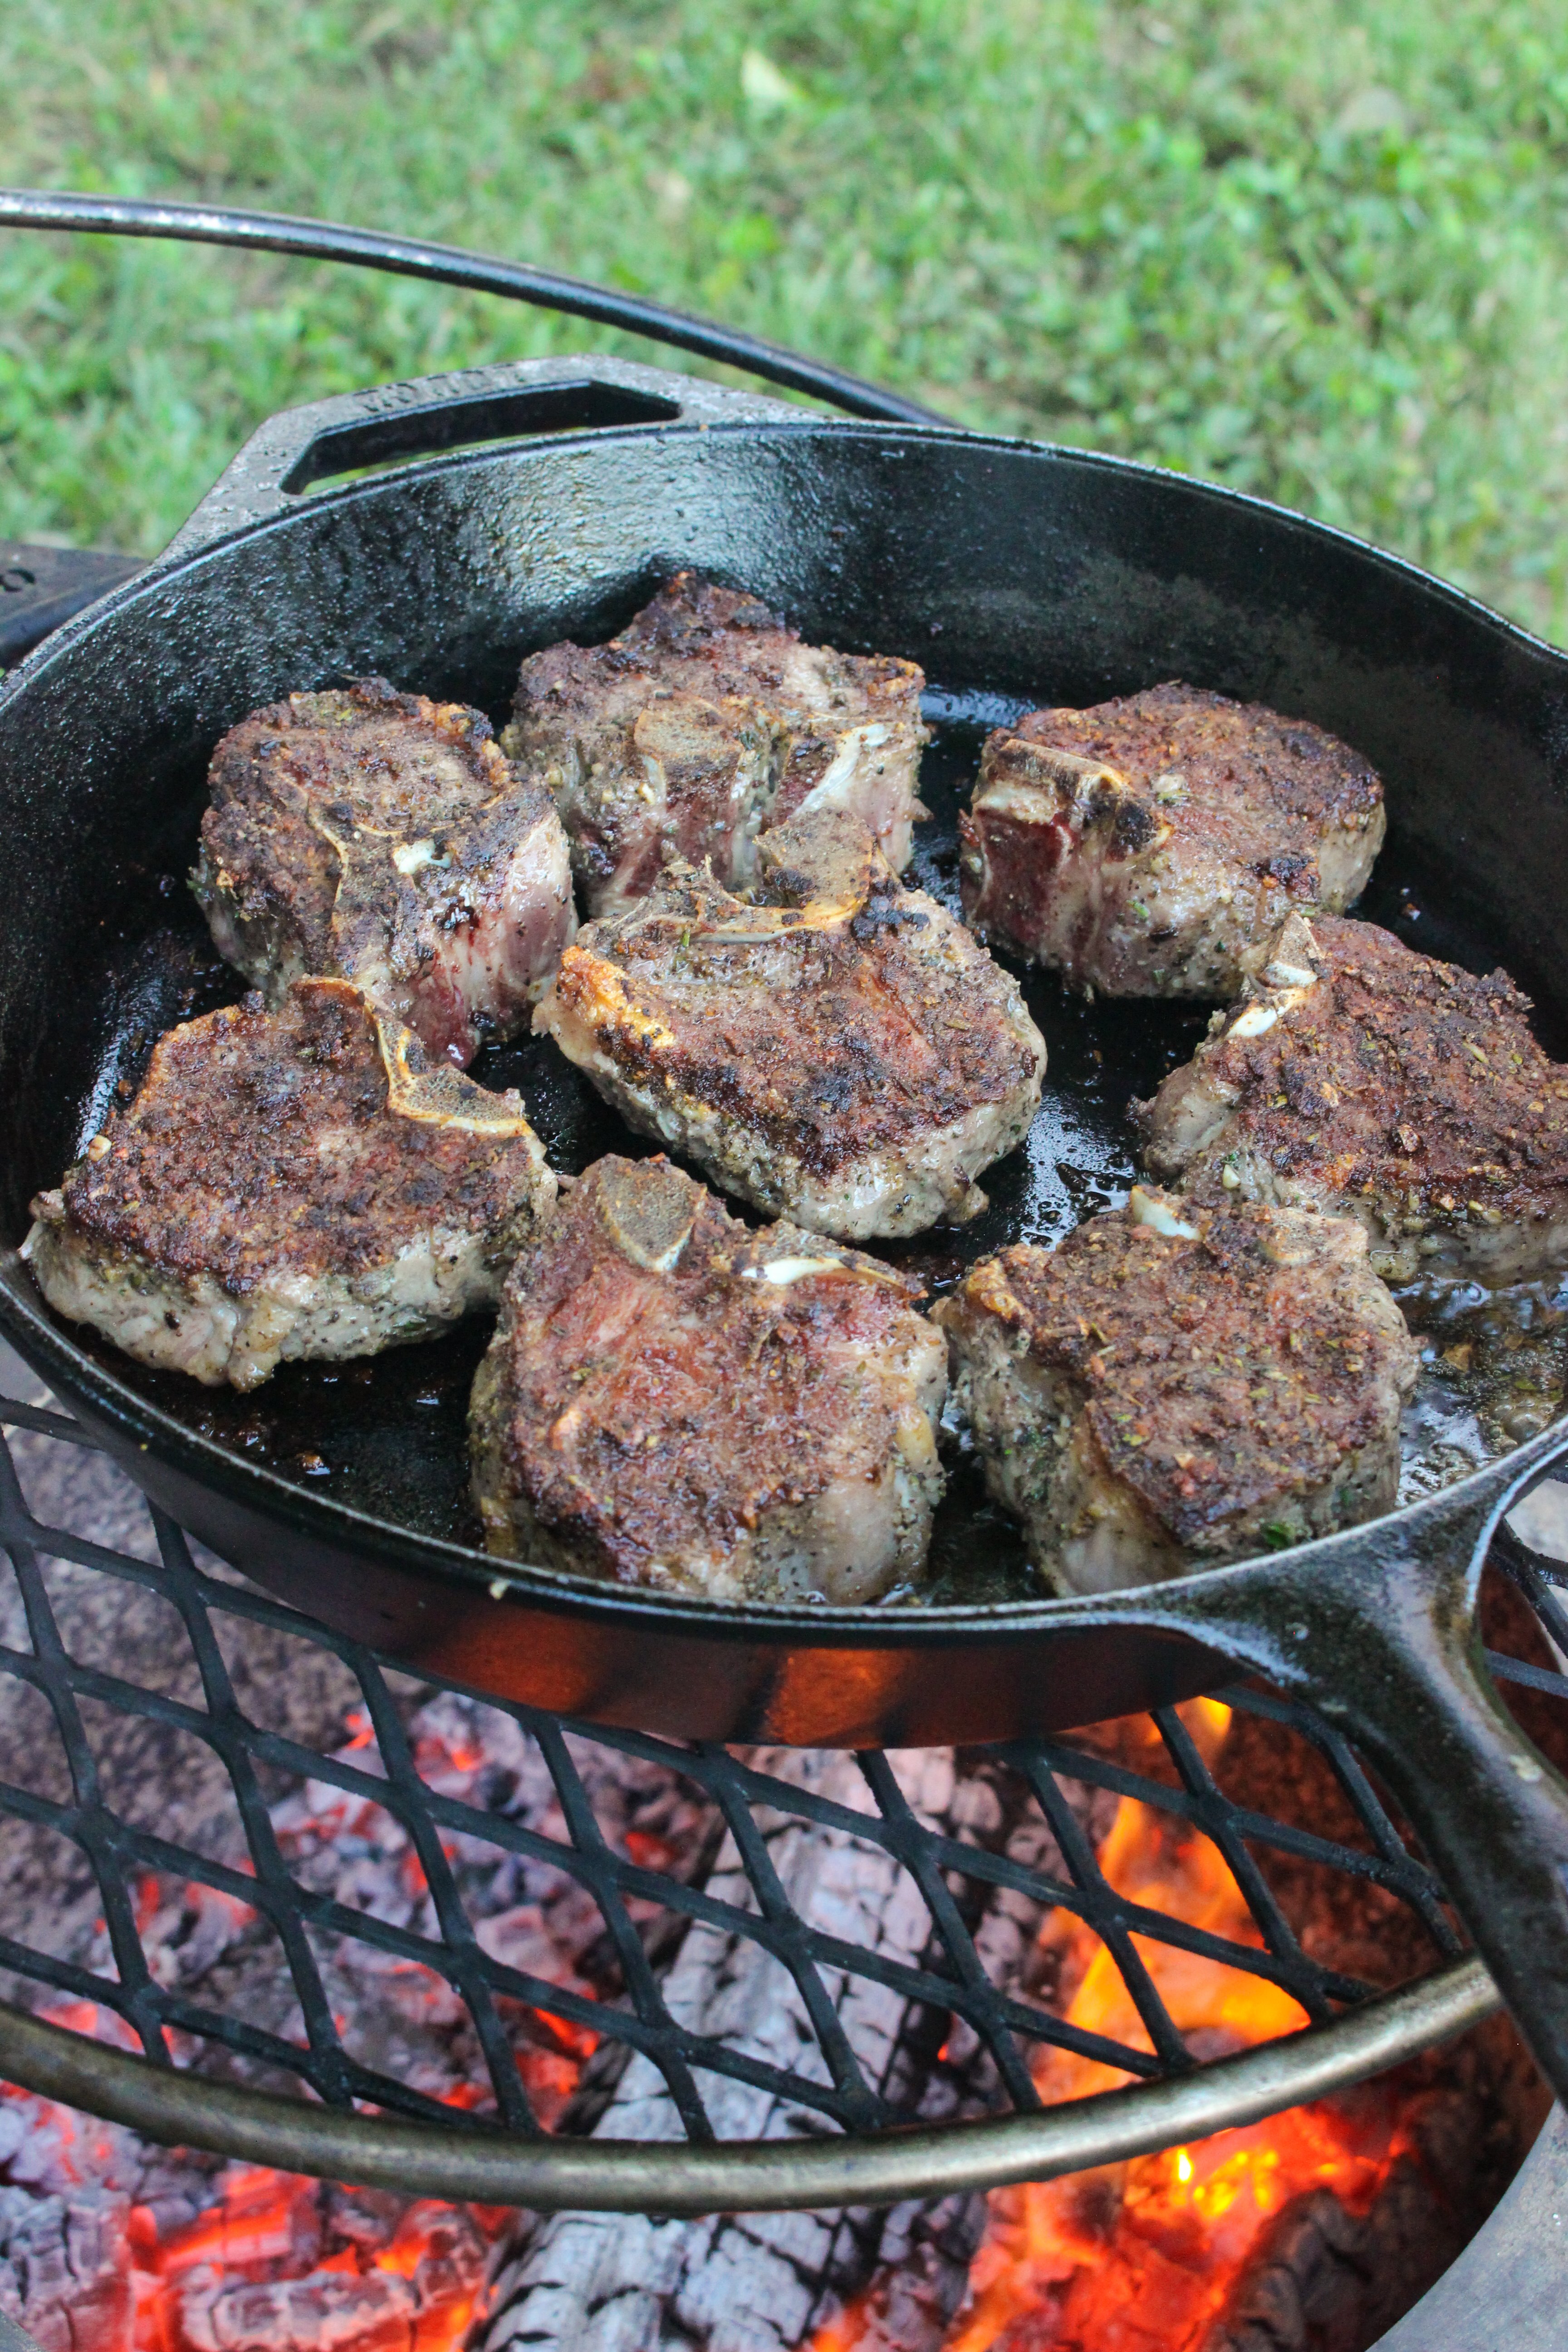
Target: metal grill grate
(834,2089)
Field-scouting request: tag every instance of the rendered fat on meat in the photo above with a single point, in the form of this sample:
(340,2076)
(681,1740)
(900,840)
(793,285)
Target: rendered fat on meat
(1357,1076)
(288,1184)
(1172,1388)
(705,721)
(838,1049)
(1141,848)
(674,1401)
(383,838)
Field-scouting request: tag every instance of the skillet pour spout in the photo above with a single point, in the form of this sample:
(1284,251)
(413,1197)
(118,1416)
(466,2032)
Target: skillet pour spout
(558,495)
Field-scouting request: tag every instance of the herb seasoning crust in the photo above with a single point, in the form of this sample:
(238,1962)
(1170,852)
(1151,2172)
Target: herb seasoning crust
(1360,1077)
(1139,846)
(674,1401)
(383,838)
(1170,1389)
(288,1184)
(840,1050)
(702,723)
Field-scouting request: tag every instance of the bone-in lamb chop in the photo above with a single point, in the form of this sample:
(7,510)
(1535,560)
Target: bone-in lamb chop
(671,1400)
(380,838)
(1172,1388)
(287,1184)
(1358,1076)
(704,721)
(1139,846)
(842,1052)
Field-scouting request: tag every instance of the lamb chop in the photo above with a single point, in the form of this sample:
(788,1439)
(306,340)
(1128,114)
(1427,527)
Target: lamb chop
(385,839)
(1359,1077)
(671,1400)
(1141,845)
(842,1052)
(705,720)
(287,1184)
(1172,1388)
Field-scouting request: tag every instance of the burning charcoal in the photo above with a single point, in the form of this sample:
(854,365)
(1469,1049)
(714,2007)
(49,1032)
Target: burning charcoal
(333,2312)
(1142,846)
(420,2269)
(767,2280)
(1309,2231)
(923,2255)
(646,2279)
(179,2206)
(704,721)
(379,837)
(239,2260)
(1325,2278)
(65,2269)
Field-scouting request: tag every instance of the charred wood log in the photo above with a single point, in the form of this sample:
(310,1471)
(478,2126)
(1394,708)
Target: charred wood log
(1325,2279)
(763,2282)
(65,2269)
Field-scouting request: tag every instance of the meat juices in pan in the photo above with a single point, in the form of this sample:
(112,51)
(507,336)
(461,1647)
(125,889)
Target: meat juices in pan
(704,721)
(288,1184)
(1142,847)
(841,1051)
(1172,1388)
(673,1400)
(383,838)
(1360,1077)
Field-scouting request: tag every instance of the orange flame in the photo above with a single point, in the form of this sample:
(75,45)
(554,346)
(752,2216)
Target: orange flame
(1142,2256)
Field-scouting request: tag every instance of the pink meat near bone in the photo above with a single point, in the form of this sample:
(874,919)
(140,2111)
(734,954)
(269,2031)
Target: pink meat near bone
(1141,848)
(376,836)
(704,721)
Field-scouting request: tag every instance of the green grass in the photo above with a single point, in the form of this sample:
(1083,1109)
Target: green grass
(1317,250)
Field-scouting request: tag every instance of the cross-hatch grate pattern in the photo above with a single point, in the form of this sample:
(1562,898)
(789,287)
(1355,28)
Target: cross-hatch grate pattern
(956,1878)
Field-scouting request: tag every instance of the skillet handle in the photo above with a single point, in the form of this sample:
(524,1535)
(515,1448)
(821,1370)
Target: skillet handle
(1490,1810)
(1386,1645)
(301,447)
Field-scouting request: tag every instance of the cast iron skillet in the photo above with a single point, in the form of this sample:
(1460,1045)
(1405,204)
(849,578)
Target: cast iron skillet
(1014,573)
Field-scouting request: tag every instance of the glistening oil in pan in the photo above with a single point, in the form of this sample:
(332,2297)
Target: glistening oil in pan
(388,1434)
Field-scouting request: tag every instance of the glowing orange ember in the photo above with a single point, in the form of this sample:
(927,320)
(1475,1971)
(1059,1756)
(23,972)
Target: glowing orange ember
(285,2261)
(1142,2256)
(258,2257)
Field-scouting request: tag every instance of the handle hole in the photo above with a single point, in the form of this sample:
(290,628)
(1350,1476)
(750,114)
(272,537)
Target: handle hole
(582,407)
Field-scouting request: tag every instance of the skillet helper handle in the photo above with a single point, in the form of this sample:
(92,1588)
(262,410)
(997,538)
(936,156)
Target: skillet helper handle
(1388,1648)
(286,458)
(303,449)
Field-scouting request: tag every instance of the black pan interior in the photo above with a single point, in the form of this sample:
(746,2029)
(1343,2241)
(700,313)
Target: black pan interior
(1015,574)
(387,1434)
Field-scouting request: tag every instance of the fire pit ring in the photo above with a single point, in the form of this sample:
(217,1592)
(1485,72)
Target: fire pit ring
(850,2143)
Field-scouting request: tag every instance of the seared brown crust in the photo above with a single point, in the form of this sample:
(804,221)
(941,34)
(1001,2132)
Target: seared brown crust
(812,1050)
(1396,1087)
(262,1144)
(656,1408)
(1140,845)
(1220,1375)
(1251,772)
(382,837)
(711,694)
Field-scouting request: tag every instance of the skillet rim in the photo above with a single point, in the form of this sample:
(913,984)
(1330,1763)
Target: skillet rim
(263,1492)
